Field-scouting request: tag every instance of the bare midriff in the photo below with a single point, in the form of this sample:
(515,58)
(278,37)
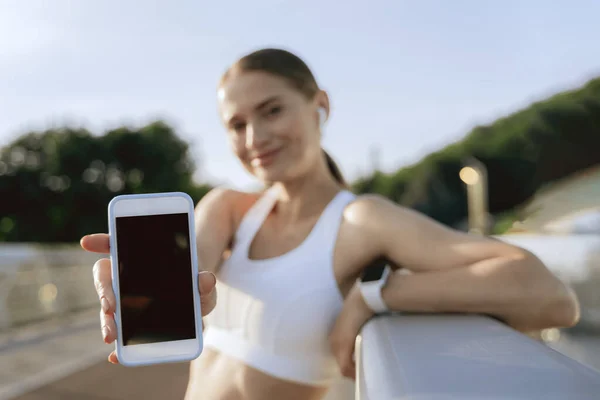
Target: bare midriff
(215,376)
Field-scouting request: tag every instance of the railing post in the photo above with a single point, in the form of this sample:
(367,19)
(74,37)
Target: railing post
(8,276)
(474,176)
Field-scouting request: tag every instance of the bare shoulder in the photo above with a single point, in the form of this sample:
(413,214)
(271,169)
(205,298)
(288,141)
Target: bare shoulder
(358,241)
(382,223)
(222,197)
(415,240)
(227,202)
(366,202)
(387,220)
(369,211)
(376,213)
(368,214)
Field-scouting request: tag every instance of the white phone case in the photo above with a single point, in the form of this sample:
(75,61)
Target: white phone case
(161,350)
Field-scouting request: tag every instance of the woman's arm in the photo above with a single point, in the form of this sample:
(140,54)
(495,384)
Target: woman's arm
(215,227)
(459,272)
(452,272)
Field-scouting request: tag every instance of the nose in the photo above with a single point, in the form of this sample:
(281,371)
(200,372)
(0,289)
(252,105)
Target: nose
(256,137)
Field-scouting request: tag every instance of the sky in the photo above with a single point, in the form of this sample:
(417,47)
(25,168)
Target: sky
(405,78)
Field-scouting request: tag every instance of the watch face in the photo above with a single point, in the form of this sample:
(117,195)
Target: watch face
(374,271)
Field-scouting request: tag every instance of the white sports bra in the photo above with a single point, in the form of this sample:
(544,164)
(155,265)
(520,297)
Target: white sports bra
(275,314)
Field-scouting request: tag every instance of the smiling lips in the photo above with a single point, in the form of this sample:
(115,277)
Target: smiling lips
(265,158)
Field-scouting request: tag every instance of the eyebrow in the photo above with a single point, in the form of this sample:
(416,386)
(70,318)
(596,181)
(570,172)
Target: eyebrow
(259,107)
(266,102)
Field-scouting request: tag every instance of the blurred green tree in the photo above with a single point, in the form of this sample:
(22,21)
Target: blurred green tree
(522,152)
(56,184)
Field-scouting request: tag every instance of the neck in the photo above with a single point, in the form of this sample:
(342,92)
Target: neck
(306,195)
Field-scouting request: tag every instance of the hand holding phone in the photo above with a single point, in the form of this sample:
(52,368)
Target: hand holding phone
(153,300)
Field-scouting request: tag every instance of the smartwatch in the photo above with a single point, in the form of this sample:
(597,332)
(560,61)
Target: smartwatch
(371,282)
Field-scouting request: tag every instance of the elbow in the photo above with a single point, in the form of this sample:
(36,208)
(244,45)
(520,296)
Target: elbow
(563,309)
(556,303)
(559,305)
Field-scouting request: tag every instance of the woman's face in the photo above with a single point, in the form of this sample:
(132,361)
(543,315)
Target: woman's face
(272,127)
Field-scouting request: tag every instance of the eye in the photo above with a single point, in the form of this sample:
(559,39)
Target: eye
(238,127)
(274,110)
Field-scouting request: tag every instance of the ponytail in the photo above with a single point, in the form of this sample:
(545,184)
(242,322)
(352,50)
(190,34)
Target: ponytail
(335,170)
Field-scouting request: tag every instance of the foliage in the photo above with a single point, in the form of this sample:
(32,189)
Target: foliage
(522,152)
(56,184)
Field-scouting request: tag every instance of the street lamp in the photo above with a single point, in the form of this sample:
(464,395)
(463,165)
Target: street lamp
(474,176)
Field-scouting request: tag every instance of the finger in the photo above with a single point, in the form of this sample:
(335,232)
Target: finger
(349,371)
(108,327)
(206,282)
(344,355)
(344,358)
(342,346)
(96,243)
(208,293)
(103,283)
(112,358)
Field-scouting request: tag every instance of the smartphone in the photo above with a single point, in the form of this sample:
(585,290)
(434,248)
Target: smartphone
(155,270)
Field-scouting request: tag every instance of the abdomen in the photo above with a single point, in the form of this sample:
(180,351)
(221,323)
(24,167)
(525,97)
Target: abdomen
(215,376)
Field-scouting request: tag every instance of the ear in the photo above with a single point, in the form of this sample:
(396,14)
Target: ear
(322,103)
(322,116)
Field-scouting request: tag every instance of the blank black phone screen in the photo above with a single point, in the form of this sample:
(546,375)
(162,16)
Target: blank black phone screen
(155,278)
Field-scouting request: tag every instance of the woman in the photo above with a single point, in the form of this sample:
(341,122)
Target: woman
(287,259)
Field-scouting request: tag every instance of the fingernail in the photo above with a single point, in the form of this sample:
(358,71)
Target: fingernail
(212,277)
(105,305)
(104,332)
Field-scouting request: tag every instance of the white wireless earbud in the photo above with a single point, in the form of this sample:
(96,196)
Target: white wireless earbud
(322,116)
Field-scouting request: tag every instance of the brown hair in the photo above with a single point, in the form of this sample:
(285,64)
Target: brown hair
(286,65)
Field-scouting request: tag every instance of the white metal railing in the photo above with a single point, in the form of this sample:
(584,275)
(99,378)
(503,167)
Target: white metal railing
(443,357)
(38,282)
